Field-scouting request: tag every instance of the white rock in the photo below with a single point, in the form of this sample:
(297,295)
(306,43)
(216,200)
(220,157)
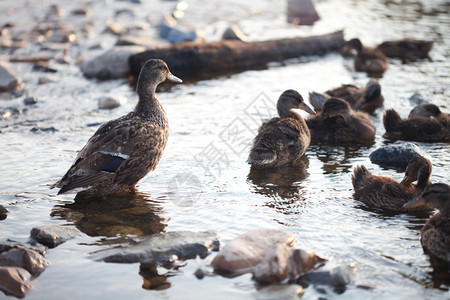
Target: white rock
(109,102)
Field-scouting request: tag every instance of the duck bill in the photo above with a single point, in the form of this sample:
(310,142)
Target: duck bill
(416,202)
(305,107)
(174,78)
(405,181)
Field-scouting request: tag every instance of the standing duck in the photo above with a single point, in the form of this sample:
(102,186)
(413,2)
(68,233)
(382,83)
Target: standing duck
(385,193)
(435,235)
(425,123)
(369,60)
(282,140)
(338,123)
(122,151)
(408,50)
(365,99)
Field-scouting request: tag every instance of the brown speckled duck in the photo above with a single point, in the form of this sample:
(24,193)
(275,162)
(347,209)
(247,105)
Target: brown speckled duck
(124,150)
(425,123)
(365,99)
(408,50)
(338,123)
(369,60)
(385,193)
(435,235)
(282,140)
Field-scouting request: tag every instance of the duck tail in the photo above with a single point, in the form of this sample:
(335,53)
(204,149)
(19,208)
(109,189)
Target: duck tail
(359,175)
(390,120)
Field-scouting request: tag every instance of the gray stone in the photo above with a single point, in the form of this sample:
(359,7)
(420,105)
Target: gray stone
(163,247)
(29,244)
(280,291)
(14,281)
(53,235)
(396,155)
(112,64)
(329,279)
(234,33)
(29,259)
(108,102)
(30,100)
(8,80)
(301,12)
(178,35)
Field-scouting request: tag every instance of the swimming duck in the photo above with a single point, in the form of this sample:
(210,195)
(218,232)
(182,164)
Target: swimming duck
(369,60)
(338,123)
(122,151)
(408,50)
(425,123)
(435,235)
(282,140)
(385,193)
(365,99)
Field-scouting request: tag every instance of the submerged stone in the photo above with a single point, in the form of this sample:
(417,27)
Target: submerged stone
(30,244)
(164,247)
(14,281)
(329,281)
(396,155)
(53,235)
(31,260)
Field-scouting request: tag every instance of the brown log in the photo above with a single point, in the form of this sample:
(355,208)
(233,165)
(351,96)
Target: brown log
(194,61)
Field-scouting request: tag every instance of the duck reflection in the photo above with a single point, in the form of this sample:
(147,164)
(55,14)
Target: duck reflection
(153,280)
(281,182)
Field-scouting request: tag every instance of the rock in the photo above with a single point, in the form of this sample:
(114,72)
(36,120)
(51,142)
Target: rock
(30,244)
(14,281)
(37,129)
(417,99)
(168,30)
(30,100)
(3,210)
(112,64)
(243,253)
(280,291)
(396,155)
(61,37)
(164,247)
(29,259)
(234,33)
(302,261)
(53,235)
(45,80)
(109,102)
(8,80)
(301,12)
(138,40)
(113,28)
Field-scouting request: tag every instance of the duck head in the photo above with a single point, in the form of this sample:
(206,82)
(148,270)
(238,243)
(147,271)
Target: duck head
(426,110)
(372,90)
(291,99)
(152,74)
(355,44)
(436,195)
(419,168)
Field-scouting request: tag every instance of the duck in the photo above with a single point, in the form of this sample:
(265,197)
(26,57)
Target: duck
(408,50)
(369,60)
(124,150)
(366,99)
(282,140)
(425,123)
(435,235)
(382,192)
(337,122)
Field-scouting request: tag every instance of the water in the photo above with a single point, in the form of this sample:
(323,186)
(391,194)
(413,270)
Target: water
(211,122)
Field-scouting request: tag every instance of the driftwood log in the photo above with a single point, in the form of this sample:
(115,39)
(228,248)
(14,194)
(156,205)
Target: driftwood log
(195,61)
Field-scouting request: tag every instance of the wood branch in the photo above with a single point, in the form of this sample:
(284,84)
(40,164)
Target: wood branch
(196,61)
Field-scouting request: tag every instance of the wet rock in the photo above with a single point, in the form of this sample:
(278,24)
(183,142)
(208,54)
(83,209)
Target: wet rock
(30,244)
(280,291)
(301,12)
(112,64)
(45,80)
(80,12)
(109,102)
(234,33)
(417,98)
(243,253)
(170,31)
(61,37)
(396,155)
(3,212)
(8,80)
(164,247)
(37,129)
(53,235)
(113,27)
(30,100)
(29,259)
(14,281)
(43,67)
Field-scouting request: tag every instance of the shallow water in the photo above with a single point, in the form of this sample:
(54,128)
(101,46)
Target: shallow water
(202,181)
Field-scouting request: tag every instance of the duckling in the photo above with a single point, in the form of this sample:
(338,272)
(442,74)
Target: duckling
(435,235)
(338,123)
(282,140)
(408,50)
(369,60)
(122,151)
(425,123)
(365,99)
(385,193)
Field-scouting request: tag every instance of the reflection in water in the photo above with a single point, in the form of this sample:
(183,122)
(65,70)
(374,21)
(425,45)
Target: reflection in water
(153,280)
(336,159)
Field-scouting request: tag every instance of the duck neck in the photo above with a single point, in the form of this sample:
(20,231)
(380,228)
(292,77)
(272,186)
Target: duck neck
(423,178)
(148,107)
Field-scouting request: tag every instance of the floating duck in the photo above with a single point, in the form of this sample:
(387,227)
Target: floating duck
(435,235)
(366,99)
(282,140)
(369,60)
(408,50)
(387,194)
(339,123)
(124,150)
(425,123)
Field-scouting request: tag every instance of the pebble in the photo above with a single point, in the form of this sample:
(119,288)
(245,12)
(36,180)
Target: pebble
(138,40)
(30,100)
(8,80)
(396,155)
(169,30)
(109,102)
(234,33)
(14,281)
(280,291)
(53,235)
